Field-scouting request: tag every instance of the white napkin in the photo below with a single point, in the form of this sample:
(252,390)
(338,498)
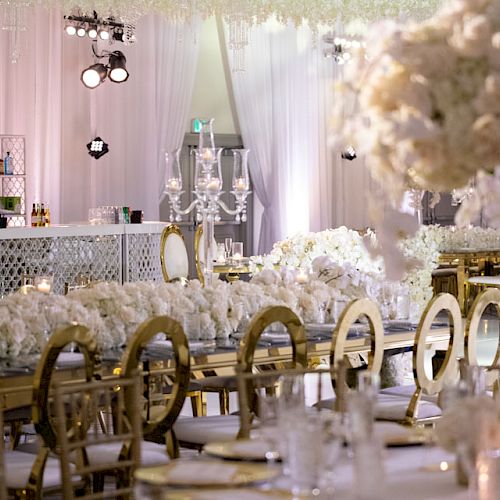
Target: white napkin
(202,473)
(231,494)
(66,359)
(251,448)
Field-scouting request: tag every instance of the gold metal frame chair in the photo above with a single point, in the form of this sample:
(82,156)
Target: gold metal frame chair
(245,364)
(79,428)
(172,229)
(355,309)
(42,414)
(490,296)
(3,489)
(425,390)
(157,426)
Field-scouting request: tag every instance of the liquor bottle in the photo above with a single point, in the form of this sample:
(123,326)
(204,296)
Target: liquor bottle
(42,216)
(34,216)
(8,168)
(47,216)
(38,215)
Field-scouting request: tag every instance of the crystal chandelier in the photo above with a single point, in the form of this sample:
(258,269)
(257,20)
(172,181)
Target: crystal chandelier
(241,15)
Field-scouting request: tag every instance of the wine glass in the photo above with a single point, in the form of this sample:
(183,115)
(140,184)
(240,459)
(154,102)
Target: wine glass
(228,245)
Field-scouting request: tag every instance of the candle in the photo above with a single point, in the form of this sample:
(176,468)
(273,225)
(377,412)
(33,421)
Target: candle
(240,184)
(44,286)
(301,277)
(214,185)
(173,185)
(201,185)
(207,155)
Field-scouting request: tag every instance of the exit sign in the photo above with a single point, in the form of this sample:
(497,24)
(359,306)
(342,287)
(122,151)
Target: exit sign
(196,125)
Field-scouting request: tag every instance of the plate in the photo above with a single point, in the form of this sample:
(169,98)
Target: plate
(241,449)
(205,473)
(228,494)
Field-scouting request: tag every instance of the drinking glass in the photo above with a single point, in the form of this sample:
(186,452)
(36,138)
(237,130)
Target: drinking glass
(488,475)
(237,252)
(228,245)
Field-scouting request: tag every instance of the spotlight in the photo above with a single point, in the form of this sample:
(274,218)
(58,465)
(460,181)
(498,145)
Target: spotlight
(81,31)
(70,30)
(94,75)
(349,154)
(97,148)
(117,71)
(104,34)
(92,32)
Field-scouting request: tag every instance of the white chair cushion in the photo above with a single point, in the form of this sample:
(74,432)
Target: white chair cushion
(176,257)
(151,453)
(18,469)
(407,391)
(393,408)
(485,280)
(202,430)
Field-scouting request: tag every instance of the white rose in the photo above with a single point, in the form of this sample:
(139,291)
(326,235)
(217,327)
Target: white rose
(472,36)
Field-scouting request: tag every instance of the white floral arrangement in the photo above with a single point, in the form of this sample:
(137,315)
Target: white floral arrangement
(357,273)
(113,312)
(429,94)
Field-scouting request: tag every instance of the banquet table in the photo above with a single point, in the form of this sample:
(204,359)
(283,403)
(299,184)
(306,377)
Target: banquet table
(411,472)
(463,259)
(16,375)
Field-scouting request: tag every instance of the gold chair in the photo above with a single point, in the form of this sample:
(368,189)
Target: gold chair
(173,254)
(199,253)
(159,419)
(31,475)
(355,309)
(489,296)
(417,403)
(196,432)
(79,430)
(3,489)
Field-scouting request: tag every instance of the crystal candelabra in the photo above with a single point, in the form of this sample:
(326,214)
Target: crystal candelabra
(208,189)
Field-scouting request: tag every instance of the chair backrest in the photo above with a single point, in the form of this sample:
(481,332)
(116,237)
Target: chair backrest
(85,341)
(173,254)
(490,296)
(157,426)
(248,345)
(433,385)
(3,489)
(79,427)
(199,253)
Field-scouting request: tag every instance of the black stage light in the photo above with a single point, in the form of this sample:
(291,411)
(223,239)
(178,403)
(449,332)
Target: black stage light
(117,67)
(94,75)
(349,154)
(97,148)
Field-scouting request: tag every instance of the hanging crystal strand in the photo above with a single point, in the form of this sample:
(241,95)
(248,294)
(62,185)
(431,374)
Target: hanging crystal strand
(14,21)
(238,41)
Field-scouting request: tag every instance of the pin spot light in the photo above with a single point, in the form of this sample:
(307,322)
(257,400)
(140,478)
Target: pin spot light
(349,154)
(97,148)
(81,31)
(70,30)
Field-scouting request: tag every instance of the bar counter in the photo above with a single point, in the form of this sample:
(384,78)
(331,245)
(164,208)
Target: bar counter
(108,252)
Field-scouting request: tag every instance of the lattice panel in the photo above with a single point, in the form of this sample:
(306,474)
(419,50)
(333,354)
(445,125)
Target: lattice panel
(15,145)
(143,257)
(15,185)
(64,258)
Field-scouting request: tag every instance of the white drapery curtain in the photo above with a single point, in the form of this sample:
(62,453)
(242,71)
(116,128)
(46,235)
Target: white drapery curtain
(284,100)
(42,97)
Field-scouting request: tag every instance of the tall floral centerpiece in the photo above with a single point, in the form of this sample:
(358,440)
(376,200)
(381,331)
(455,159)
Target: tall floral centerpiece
(428,105)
